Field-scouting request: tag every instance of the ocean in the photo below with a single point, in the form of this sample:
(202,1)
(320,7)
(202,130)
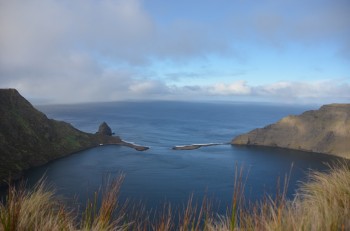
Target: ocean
(162,175)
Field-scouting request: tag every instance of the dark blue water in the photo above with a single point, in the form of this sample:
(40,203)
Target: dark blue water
(161,174)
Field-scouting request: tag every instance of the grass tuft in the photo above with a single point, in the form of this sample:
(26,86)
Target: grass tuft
(34,210)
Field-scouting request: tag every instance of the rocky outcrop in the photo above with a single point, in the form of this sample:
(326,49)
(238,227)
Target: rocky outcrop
(326,130)
(28,138)
(104,129)
(195,146)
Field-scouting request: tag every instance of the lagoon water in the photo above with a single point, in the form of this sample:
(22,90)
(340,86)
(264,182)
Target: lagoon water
(161,174)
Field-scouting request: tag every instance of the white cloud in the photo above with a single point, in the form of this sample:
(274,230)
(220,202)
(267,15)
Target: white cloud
(317,89)
(58,49)
(45,30)
(236,88)
(53,49)
(325,91)
(148,87)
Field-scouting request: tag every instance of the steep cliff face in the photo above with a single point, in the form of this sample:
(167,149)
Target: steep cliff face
(28,138)
(326,130)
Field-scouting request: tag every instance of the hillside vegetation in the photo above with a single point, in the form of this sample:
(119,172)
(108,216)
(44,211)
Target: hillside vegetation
(28,138)
(326,130)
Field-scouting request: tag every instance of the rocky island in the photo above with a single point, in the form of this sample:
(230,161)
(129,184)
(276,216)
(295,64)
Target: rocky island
(326,130)
(28,138)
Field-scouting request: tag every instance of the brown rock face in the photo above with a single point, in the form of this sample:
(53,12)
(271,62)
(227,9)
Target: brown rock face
(326,130)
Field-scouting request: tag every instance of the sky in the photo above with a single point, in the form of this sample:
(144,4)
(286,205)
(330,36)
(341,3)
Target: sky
(71,51)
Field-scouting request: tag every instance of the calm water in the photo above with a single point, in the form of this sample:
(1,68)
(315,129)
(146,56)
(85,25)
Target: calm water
(161,174)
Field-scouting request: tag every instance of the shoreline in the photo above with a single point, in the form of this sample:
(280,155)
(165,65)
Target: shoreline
(18,176)
(134,146)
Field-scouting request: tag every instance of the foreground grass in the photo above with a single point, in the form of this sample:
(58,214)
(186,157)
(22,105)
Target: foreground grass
(323,203)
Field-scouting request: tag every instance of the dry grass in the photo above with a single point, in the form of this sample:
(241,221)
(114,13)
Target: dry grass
(109,215)
(323,203)
(34,210)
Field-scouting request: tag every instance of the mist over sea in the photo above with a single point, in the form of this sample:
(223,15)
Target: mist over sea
(161,174)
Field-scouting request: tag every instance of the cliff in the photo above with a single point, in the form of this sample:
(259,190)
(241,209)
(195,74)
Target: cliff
(326,130)
(28,138)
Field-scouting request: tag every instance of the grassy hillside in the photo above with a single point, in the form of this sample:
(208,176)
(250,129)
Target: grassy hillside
(326,130)
(28,138)
(321,204)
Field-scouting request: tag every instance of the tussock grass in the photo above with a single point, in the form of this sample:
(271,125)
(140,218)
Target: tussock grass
(322,203)
(109,215)
(34,210)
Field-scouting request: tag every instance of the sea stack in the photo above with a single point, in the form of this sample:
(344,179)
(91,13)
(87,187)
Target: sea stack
(326,130)
(104,129)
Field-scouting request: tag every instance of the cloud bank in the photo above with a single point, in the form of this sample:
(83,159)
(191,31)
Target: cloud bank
(86,50)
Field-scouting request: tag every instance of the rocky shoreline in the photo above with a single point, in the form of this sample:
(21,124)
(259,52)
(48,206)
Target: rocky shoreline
(134,146)
(195,146)
(105,131)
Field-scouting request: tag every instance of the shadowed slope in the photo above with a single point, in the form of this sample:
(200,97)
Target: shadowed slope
(28,138)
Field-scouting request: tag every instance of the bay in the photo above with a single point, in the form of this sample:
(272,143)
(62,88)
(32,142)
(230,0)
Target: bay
(161,174)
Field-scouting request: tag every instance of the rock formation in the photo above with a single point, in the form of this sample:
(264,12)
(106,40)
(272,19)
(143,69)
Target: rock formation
(326,130)
(195,146)
(104,129)
(28,138)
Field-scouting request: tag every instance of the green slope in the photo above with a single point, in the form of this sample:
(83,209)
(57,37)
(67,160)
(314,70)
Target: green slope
(28,138)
